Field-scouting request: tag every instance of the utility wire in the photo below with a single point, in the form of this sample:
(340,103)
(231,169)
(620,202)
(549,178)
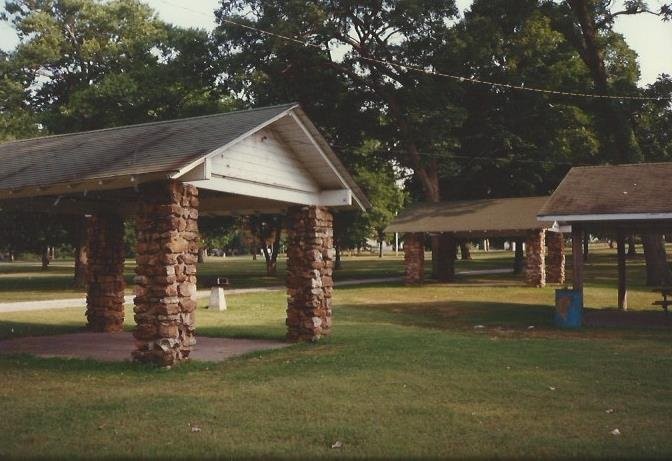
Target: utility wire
(411,68)
(461,156)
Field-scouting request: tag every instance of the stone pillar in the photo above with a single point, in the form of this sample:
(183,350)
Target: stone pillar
(310,264)
(447,255)
(105,276)
(167,252)
(414,258)
(535,270)
(555,267)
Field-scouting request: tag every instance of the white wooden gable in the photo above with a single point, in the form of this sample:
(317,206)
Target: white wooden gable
(277,164)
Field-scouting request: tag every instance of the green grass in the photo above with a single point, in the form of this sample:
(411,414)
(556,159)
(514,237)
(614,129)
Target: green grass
(404,375)
(23,280)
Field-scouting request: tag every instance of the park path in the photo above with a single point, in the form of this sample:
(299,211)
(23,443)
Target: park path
(21,306)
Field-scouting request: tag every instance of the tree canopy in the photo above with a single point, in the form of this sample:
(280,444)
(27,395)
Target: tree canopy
(354,67)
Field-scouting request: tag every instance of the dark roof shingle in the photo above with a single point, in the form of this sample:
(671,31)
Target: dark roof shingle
(490,215)
(617,189)
(129,150)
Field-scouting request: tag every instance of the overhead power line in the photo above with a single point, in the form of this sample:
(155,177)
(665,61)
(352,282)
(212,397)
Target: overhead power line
(412,68)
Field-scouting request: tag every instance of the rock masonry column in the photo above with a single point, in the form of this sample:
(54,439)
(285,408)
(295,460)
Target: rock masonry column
(414,258)
(555,267)
(310,264)
(167,253)
(105,277)
(535,266)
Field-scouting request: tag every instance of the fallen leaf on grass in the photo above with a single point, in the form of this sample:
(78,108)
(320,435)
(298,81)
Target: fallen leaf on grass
(337,444)
(609,411)
(615,432)
(195,429)
(479,327)
(551,388)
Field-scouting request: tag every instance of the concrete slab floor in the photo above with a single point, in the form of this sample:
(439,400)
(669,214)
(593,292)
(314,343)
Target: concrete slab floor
(117,347)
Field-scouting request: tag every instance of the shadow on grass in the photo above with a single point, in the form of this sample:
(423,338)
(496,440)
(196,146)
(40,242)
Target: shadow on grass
(503,319)
(12,329)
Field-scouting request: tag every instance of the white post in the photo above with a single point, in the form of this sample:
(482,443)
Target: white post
(396,244)
(217,299)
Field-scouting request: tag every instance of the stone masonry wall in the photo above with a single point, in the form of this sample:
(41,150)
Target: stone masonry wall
(535,266)
(167,253)
(105,277)
(555,262)
(414,258)
(310,262)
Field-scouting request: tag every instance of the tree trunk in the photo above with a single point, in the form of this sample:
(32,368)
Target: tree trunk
(81,265)
(45,257)
(202,254)
(254,251)
(81,255)
(632,249)
(621,139)
(657,269)
(337,264)
(586,240)
(272,265)
(380,248)
(519,258)
(465,251)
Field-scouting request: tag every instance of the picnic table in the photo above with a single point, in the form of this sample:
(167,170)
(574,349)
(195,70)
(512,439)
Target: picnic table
(665,303)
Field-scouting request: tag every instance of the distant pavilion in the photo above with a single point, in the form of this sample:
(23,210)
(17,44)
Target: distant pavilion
(514,218)
(621,200)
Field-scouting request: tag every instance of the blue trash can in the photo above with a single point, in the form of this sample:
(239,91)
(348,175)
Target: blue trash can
(568,308)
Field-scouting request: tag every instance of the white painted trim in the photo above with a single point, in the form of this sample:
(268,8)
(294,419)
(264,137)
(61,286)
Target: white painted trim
(221,149)
(318,147)
(333,198)
(607,217)
(561,228)
(339,197)
(302,116)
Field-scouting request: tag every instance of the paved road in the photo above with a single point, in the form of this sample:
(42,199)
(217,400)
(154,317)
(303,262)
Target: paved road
(201,294)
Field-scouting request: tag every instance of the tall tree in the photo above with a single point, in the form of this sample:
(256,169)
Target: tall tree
(16,118)
(517,143)
(89,64)
(346,39)
(588,25)
(94,64)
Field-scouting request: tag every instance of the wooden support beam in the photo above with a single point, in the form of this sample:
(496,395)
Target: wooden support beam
(577,256)
(622,287)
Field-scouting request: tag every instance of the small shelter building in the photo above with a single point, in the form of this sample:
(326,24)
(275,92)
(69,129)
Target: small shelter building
(616,199)
(514,218)
(166,175)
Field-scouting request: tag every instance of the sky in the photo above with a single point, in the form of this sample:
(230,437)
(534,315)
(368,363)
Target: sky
(646,34)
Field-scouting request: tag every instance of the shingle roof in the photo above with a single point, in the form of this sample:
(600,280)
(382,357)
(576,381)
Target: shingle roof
(619,189)
(480,216)
(128,150)
(135,150)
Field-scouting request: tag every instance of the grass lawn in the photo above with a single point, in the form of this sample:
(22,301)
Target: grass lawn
(25,280)
(405,374)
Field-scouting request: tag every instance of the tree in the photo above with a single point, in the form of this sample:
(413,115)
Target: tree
(517,143)
(587,25)
(96,64)
(89,64)
(216,232)
(414,114)
(386,198)
(266,231)
(16,119)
